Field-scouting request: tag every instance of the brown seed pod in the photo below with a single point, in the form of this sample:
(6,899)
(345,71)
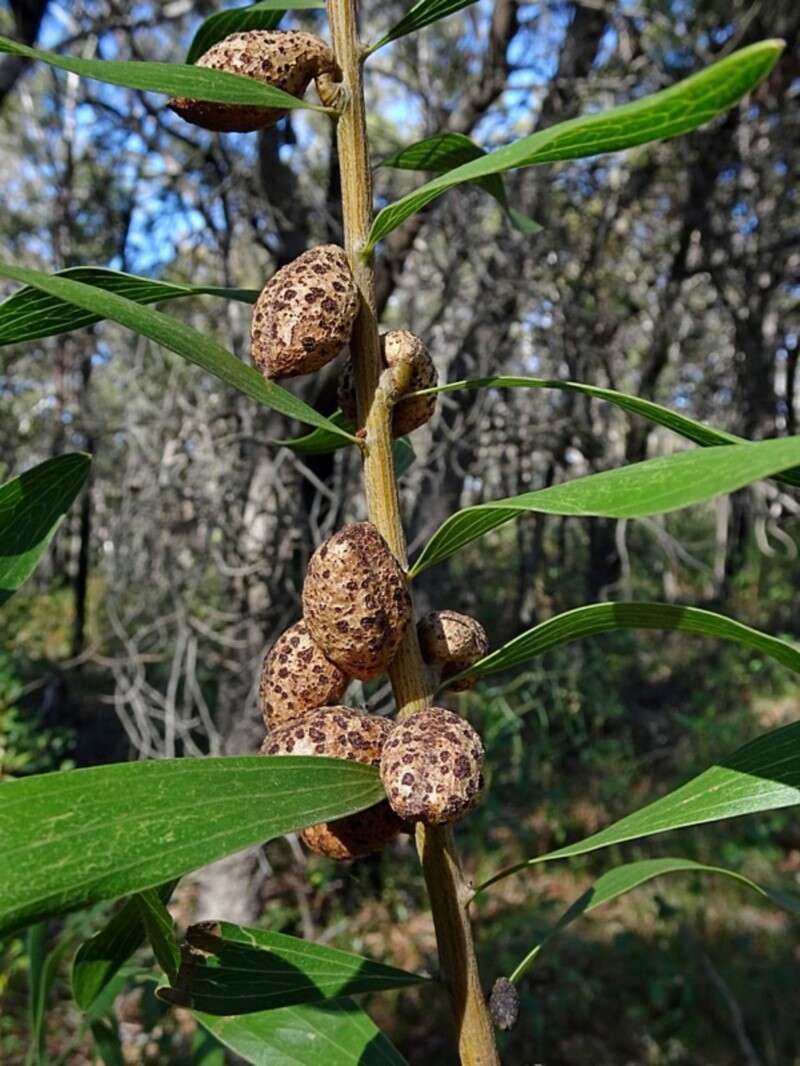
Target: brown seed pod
(305,314)
(355,601)
(297,678)
(453,642)
(341,733)
(285,60)
(398,347)
(431,767)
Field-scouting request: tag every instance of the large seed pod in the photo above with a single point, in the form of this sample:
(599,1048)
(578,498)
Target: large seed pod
(431,767)
(285,60)
(453,642)
(355,601)
(341,733)
(305,314)
(297,678)
(398,347)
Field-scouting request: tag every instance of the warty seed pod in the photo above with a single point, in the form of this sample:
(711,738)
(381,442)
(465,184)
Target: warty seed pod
(305,314)
(431,767)
(285,60)
(355,601)
(341,733)
(297,678)
(398,346)
(453,642)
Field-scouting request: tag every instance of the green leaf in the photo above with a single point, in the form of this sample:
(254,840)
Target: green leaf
(404,456)
(654,486)
(172,79)
(32,507)
(227,969)
(653,412)
(623,879)
(75,837)
(320,441)
(679,109)
(262,16)
(107,1042)
(159,927)
(336,1033)
(444,152)
(189,343)
(99,958)
(606,617)
(764,775)
(423,13)
(30,314)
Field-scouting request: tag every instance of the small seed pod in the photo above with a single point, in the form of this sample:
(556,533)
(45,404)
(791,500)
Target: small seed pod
(398,347)
(341,733)
(285,60)
(305,314)
(431,767)
(297,678)
(453,642)
(355,601)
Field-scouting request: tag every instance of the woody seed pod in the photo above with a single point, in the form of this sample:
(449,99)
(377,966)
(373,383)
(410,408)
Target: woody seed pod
(305,314)
(355,601)
(297,678)
(341,733)
(453,642)
(431,767)
(286,60)
(398,346)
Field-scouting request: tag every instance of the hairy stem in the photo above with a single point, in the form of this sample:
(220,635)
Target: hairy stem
(411,681)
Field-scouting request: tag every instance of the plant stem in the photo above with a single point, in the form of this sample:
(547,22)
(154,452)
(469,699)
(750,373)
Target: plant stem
(412,682)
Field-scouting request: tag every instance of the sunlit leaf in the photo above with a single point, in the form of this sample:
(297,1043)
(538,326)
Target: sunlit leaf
(336,1033)
(446,151)
(679,109)
(227,969)
(73,838)
(32,507)
(172,79)
(606,617)
(654,486)
(764,775)
(615,883)
(29,313)
(176,336)
(423,13)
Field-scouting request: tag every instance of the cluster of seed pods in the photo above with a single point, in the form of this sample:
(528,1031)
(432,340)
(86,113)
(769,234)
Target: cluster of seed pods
(356,604)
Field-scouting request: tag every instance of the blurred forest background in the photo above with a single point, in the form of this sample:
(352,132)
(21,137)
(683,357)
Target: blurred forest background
(670,272)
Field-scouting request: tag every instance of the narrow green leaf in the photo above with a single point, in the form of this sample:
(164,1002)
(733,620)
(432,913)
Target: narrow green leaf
(99,958)
(42,972)
(172,79)
(32,507)
(160,931)
(261,16)
(617,882)
(606,617)
(689,428)
(189,343)
(446,151)
(654,486)
(336,1033)
(404,456)
(320,441)
(227,969)
(107,1042)
(764,775)
(679,109)
(29,314)
(423,13)
(72,838)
